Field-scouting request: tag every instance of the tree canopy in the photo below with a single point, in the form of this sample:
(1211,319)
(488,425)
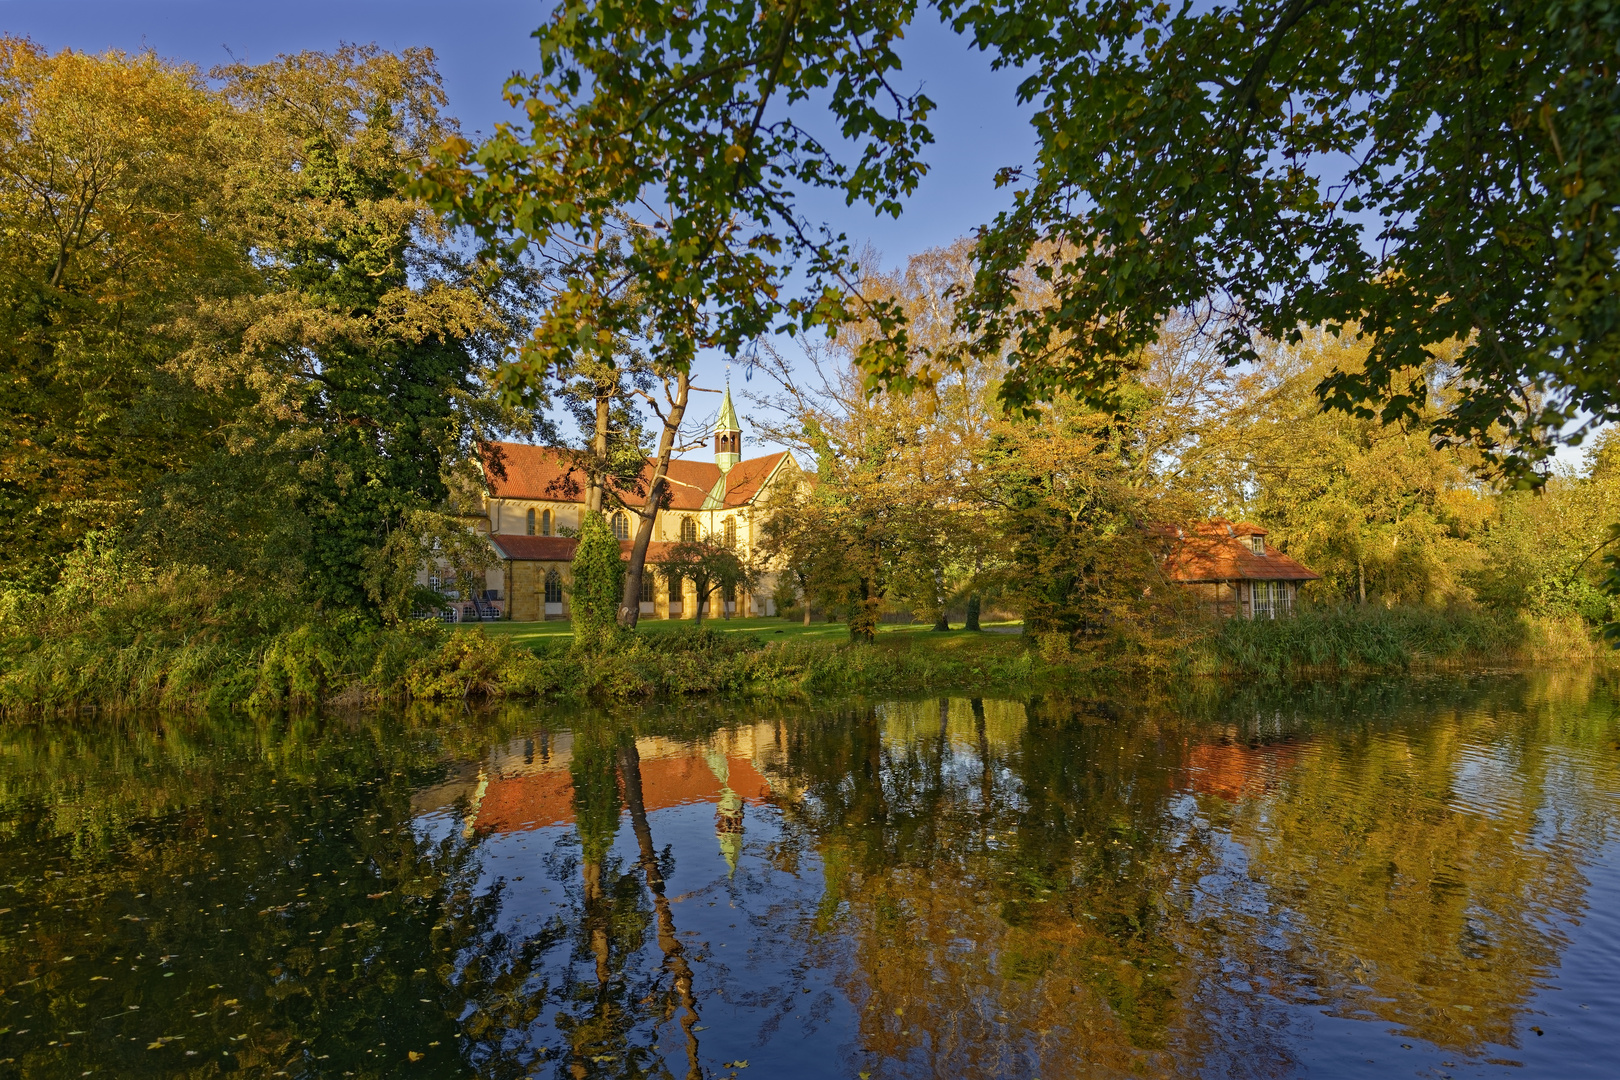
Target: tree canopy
(1430,171)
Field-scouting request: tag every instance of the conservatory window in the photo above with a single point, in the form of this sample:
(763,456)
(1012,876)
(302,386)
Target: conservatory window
(1262,602)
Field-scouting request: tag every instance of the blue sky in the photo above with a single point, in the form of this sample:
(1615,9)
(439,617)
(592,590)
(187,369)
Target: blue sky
(479,43)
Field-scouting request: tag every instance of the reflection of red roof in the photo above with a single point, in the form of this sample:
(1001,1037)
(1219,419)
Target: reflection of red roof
(527,802)
(1237,772)
(1219,551)
(535,800)
(520,471)
(561,548)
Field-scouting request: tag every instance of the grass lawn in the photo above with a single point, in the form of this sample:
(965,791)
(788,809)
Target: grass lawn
(766,629)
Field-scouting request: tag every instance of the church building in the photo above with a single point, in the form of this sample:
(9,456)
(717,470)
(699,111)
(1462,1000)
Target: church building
(534,499)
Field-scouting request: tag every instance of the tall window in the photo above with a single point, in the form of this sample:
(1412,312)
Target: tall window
(531,522)
(731,532)
(553,587)
(621,525)
(648,588)
(688,530)
(728,592)
(1263,599)
(674,589)
(545,522)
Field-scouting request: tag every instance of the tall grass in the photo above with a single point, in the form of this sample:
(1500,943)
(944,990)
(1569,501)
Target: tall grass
(1348,638)
(117,636)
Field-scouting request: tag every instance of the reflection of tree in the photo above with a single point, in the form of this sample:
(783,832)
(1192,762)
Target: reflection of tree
(675,962)
(252,885)
(1401,849)
(1000,926)
(1039,889)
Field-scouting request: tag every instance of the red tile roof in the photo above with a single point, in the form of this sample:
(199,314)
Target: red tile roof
(535,548)
(520,471)
(1218,550)
(522,548)
(746,478)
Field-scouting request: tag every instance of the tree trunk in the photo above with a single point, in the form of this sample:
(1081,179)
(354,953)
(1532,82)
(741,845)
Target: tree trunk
(807,612)
(630,605)
(863,616)
(973,612)
(1361,582)
(596,480)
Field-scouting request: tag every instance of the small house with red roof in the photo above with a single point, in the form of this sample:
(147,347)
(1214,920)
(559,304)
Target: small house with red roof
(1233,570)
(534,499)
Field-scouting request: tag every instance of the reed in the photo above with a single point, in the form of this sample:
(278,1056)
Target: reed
(1375,638)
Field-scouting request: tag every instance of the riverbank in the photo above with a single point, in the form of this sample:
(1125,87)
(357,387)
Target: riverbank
(241,665)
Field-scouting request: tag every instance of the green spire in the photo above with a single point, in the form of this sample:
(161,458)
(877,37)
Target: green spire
(728,414)
(727,441)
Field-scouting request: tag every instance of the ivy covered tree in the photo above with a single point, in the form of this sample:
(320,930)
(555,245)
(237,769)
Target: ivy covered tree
(598,581)
(376,323)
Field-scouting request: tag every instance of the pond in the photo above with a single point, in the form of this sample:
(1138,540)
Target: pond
(1414,876)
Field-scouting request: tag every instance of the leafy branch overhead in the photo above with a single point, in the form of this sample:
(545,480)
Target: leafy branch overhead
(1424,170)
(664,151)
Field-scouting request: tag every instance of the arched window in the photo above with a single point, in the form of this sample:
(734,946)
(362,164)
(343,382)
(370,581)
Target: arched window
(621,525)
(553,587)
(688,530)
(731,532)
(531,522)
(545,522)
(649,588)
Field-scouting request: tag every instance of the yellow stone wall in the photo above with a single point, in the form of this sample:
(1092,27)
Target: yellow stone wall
(524,582)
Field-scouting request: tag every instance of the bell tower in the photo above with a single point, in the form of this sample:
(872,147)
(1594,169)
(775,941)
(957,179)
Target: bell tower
(727,435)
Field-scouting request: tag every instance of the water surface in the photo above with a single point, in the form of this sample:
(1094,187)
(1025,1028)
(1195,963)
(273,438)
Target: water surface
(1407,877)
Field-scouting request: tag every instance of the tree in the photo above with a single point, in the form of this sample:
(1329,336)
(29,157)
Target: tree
(671,412)
(892,513)
(115,218)
(1376,508)
(598,580)
(796,537)
(375,334)
(709,565)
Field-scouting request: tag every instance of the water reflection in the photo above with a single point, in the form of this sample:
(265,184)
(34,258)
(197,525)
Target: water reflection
(1415,874)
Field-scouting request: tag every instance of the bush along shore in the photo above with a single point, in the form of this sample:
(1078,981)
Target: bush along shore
(177,648)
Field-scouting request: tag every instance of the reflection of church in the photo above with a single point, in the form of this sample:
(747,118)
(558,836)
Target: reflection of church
(534,497)
(528,784)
